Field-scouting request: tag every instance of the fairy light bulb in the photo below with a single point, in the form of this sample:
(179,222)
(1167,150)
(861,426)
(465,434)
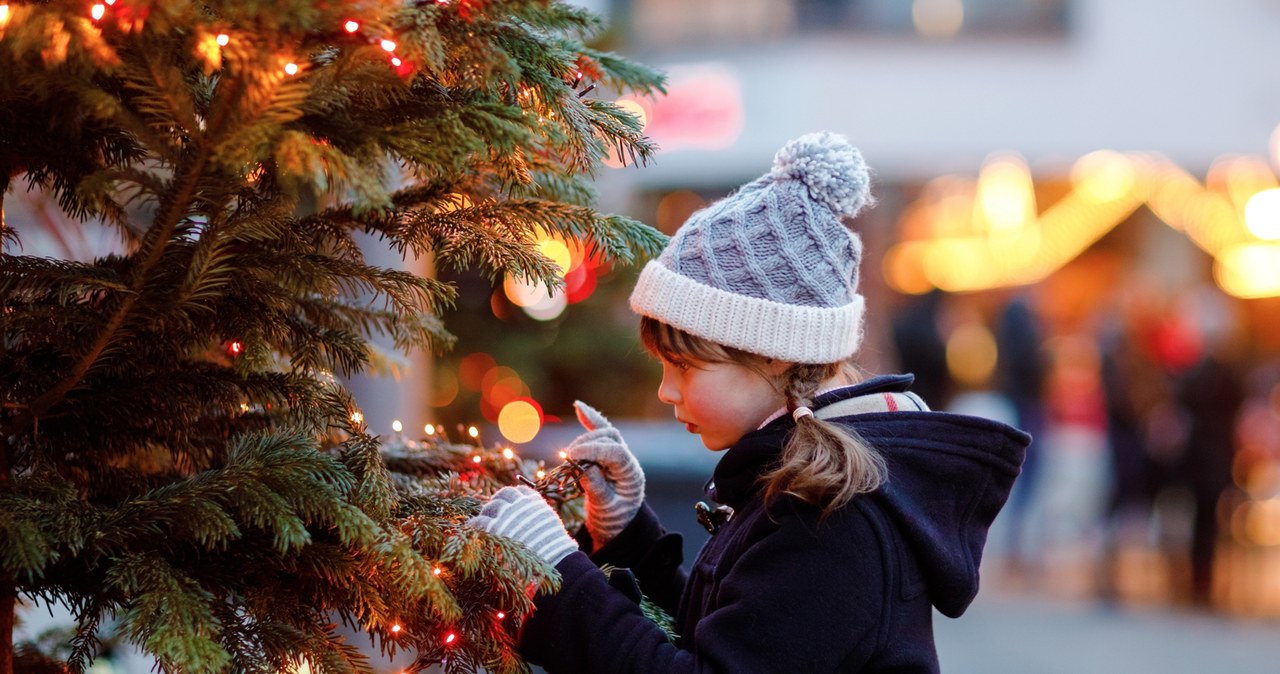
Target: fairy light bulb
(98,11)
(389,45)
(563,455)
(395,629)
(395,61)
(473,432)
(291,68)
(357,417)
(4,14)
(437,571)
(476,459)
(110,3)
(508,454)
(429,429)
(223,39)
(351,26)
(501,615)
(396,426)
(541,474)
(450,638)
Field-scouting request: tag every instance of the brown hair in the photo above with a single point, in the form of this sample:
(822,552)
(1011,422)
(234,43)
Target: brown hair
(822,464)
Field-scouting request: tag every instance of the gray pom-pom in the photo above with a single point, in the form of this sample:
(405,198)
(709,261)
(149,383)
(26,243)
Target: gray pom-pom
(830,167)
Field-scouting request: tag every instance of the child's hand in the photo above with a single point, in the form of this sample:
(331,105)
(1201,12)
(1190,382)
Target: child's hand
(521,513)
(613,480)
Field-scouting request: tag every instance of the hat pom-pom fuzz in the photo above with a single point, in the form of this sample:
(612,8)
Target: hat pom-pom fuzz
(830,167)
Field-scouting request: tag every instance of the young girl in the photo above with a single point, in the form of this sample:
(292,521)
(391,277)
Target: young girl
(846,511)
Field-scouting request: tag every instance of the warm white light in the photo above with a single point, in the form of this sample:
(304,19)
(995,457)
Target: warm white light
(501,615)
(351,26)
(1105,175)
(357,417)
(473,432)
(508,454)
(223,39)
(437,571)
(429,429)
(1006,194)
(98,11)
(1262,214)
(389,45)
(1249,270)
(563,455)
(4,14)
(397,426)
(476,459)
(291,68)
(395,61)
(395,629)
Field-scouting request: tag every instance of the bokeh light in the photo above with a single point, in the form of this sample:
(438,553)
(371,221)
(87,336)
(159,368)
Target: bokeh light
(520,420)
(971,354)
(1262,214)
(1105,175)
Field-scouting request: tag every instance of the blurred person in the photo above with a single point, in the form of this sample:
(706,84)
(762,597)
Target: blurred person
(921,349)
(1020,377)
(1142,430)
(850,510)
(1211,395)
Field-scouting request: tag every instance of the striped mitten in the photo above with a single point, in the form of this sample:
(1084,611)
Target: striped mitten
(520,513)
(614,481)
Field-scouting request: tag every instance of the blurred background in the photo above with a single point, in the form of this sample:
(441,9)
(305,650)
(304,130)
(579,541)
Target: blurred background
(1078,232)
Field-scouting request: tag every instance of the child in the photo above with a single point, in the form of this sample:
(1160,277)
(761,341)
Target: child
(850,511)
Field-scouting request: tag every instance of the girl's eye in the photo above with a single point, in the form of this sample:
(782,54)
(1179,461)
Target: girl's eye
(679,365)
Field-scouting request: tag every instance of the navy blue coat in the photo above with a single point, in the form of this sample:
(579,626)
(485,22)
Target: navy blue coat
(778,590)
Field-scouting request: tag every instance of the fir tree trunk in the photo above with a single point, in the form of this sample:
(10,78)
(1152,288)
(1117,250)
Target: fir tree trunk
(8,589)
(8,602)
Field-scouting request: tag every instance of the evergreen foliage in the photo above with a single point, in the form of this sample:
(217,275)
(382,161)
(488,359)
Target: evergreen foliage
(179,458)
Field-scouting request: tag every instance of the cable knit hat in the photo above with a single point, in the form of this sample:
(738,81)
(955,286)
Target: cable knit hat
(771,269)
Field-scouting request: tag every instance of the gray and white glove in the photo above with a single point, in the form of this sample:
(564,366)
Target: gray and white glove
(521,513)
(613,482)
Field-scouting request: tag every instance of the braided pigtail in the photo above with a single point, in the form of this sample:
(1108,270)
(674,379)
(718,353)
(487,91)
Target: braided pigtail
(823,463)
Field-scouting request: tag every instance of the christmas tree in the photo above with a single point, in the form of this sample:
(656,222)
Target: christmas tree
(181,462)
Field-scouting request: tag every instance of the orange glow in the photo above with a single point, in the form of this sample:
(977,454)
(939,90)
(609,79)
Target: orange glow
(351,26)
(395,629)
(519,421)
(540,474)
(563,455)
(357,418)
(98,11)
(4,14)
(437,571)
(473,368)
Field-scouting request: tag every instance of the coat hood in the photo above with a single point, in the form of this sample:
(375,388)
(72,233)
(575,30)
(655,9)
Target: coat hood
(948,477)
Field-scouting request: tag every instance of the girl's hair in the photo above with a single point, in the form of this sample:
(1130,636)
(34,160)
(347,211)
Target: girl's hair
(822,464)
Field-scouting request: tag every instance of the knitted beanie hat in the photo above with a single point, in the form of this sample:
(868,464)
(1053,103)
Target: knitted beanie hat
(771,269)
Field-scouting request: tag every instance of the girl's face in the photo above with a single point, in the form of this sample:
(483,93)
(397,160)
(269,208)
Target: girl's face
(721,402)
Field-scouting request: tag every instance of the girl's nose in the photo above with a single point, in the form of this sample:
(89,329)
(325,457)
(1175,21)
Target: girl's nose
(667,390)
